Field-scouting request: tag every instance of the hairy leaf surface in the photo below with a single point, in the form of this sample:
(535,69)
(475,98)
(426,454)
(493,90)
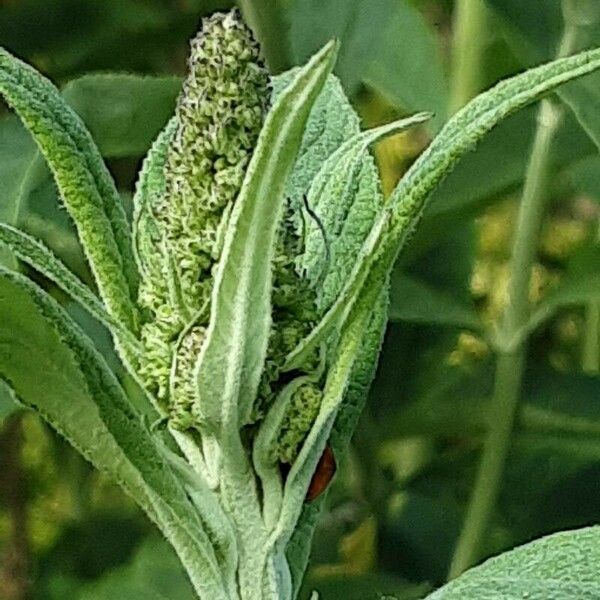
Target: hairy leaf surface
(86,187)
(230,364)
(36,255)
(407,203)
(563,565)
(75,391)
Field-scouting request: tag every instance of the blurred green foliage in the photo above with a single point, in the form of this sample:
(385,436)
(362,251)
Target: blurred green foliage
(393,517)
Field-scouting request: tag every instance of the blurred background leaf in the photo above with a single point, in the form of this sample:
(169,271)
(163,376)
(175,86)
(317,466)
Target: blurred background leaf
(124,113)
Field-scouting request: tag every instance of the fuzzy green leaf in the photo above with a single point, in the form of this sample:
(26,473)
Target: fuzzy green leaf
(332,121)
(467,128)
(563,565)
(233,355)
(403,211)
(534,33)
(475,120)
(36,255)
(346,197)
(75,391)
(336,386)
(363,371)
(331,125)
(334,197)
(85,184)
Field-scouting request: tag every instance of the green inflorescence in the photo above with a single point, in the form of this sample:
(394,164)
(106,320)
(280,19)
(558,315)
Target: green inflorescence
(294,315)
(218,118)
(299,417)
(217,121)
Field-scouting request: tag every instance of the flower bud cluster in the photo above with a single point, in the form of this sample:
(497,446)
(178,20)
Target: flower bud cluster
(294,315)
(218,118)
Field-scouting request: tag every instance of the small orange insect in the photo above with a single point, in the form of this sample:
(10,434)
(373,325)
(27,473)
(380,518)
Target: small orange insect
(326,468)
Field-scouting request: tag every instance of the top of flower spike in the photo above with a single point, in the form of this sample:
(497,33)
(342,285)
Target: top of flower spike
(224,97)
(218,118)
(220,114)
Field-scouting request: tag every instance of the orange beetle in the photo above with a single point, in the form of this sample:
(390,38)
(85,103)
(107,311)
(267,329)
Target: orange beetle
(324,473)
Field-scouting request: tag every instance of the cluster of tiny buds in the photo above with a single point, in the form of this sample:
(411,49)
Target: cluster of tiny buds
(219,116)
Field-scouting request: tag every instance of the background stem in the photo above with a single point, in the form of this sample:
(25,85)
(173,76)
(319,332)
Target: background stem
(510,364)
(468,43)
(509,367)
(581,17)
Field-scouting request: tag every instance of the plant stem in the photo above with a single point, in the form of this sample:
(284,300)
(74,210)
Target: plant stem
(266,19)
(469,40)
(590,362)
(509,368)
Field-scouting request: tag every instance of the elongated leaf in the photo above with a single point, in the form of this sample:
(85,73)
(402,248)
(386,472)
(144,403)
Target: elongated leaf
(336,385)
(334,195)
(563,565)
(75,391)
(535,33)
(502,156)
(346,196)
(124,113)
(232,358)
(332,121)
(297,550)
(83,180)
(36,255)
(16,153)
(407,203)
